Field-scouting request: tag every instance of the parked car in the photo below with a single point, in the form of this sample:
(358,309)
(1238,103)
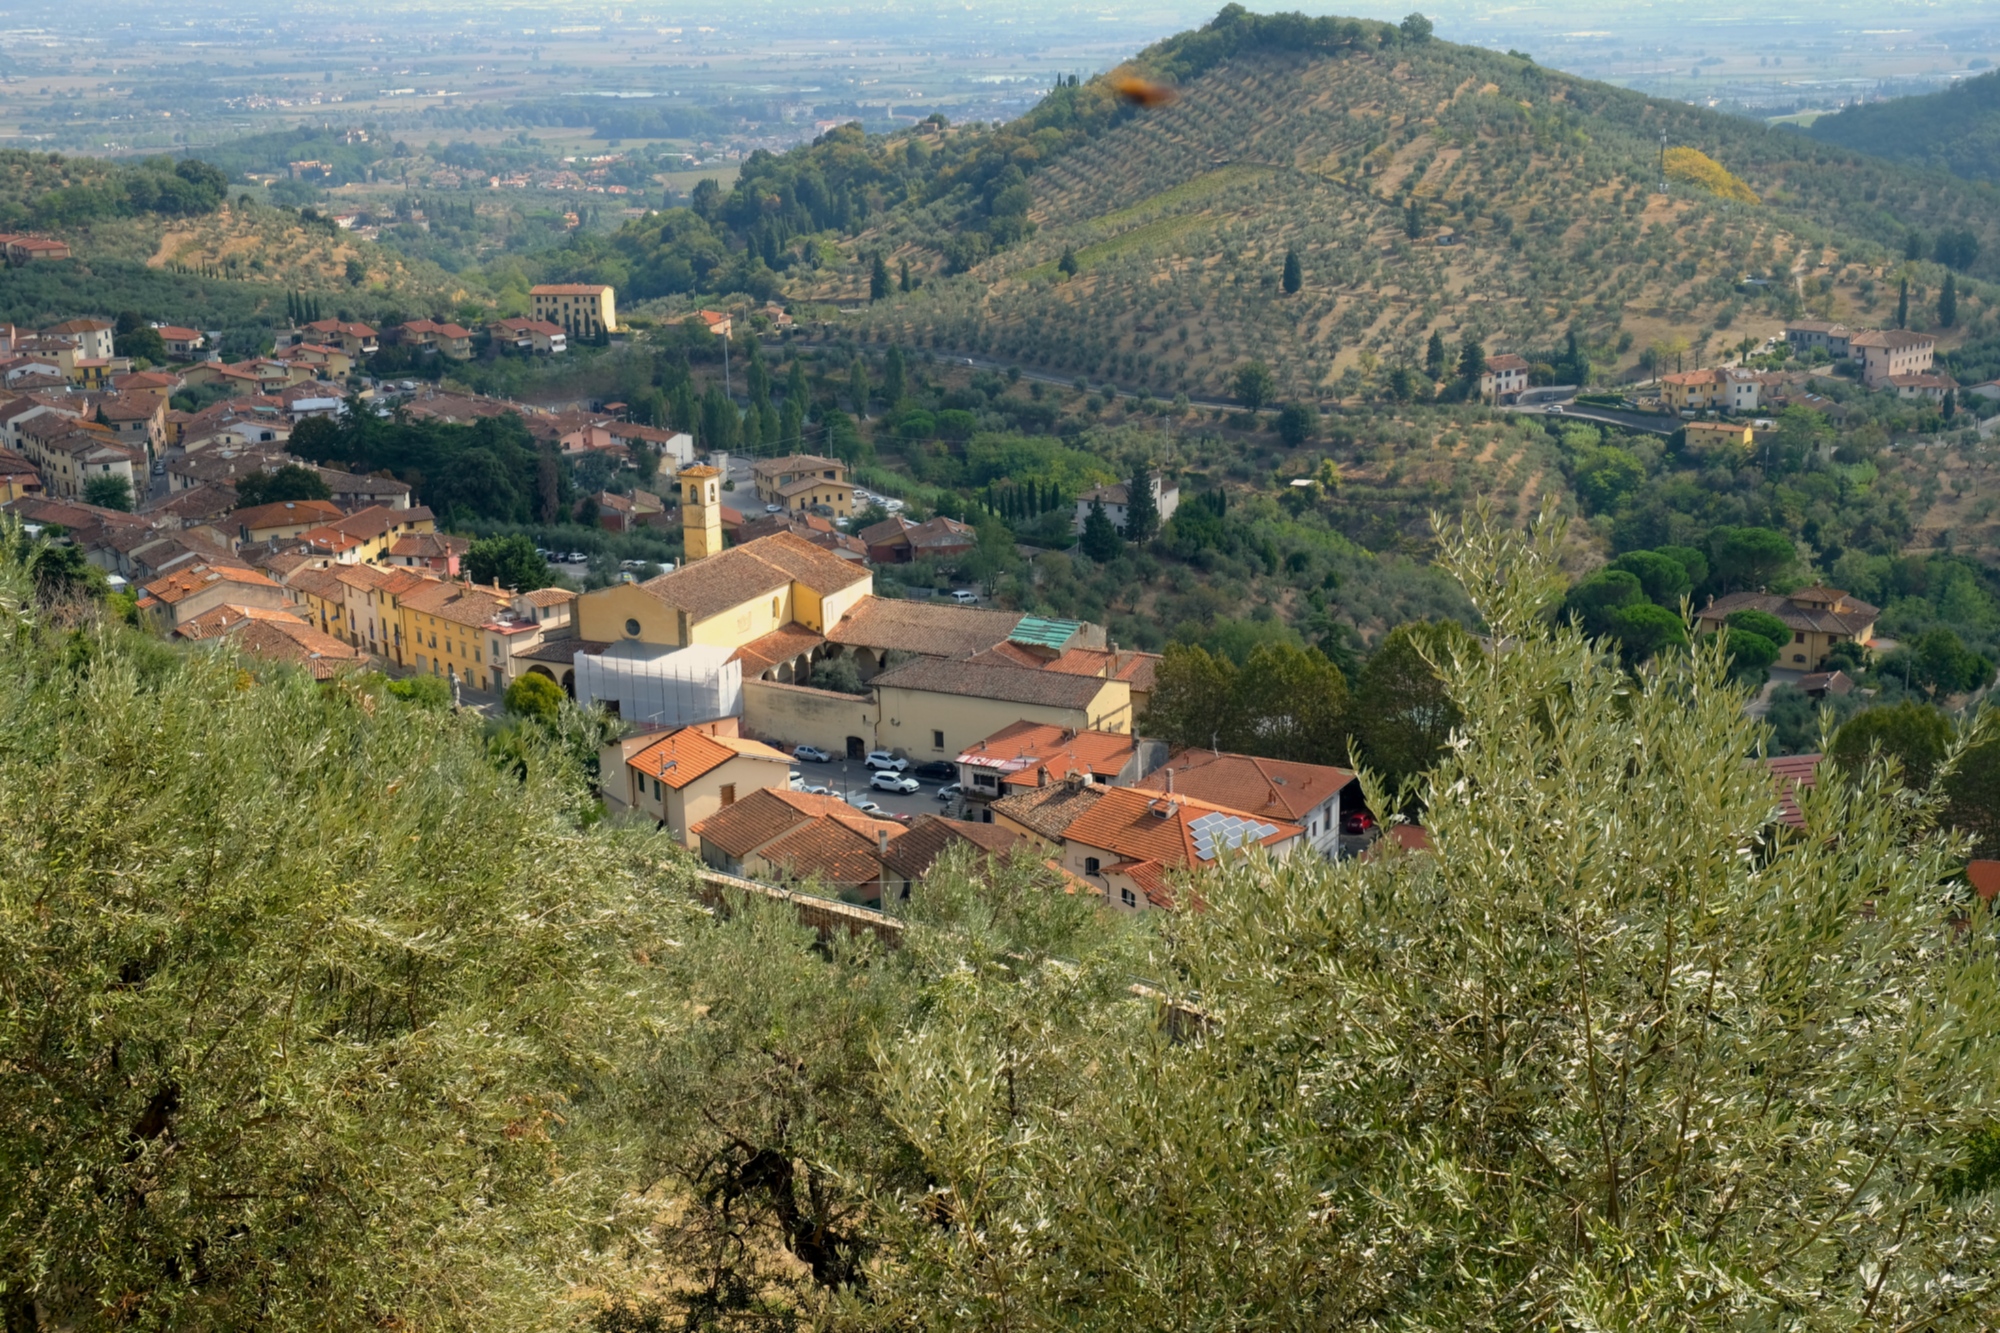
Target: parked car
(867,807)
(817,791)
(812,754)
(888,780)
(774,509)
(883,759)
(1355,823)
(951,791)
(964,596)
(796,780)
(935,771)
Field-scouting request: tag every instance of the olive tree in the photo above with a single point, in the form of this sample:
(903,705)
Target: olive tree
(307,1006)
(1618,1050)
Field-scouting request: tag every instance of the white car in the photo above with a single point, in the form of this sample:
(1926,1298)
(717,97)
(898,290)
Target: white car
(866,806)
(882,759)
(812,754)
(796,780)
(964,596)
(891,781)
(951,791)
(774,509)
(817,791)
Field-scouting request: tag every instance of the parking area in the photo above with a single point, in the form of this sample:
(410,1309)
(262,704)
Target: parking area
(845,776)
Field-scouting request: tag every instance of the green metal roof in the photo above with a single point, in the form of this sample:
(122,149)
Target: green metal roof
(1040,633)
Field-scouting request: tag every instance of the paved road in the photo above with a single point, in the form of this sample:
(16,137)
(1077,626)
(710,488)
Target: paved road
(843,776)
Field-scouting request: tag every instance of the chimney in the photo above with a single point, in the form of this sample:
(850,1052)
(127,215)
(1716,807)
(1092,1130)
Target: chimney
(1170,779)
(881,842)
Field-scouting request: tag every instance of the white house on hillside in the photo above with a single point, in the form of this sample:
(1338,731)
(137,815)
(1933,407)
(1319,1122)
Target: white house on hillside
(1116,497)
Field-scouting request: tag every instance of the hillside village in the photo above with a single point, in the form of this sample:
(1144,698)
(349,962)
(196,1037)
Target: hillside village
(1031,729)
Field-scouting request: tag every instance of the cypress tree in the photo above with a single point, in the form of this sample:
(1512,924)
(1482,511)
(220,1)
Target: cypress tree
(878,279)
(1903,306)
(1294,276)
(1947,310)
(857,386)
(893,379)
(1434,362)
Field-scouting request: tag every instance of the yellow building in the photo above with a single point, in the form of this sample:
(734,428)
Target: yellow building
(935,709)
(1709,436)
(442,625)
(800,481)
(580,309)
(682,777)
(729,599)
(1818,617)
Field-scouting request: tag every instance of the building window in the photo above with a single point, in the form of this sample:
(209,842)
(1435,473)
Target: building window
(1090,865)
(656,789)
(632,628)
(1127,897)
(937,740)
(729,793)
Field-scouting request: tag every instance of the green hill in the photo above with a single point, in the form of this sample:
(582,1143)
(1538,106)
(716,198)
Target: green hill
(1957,130)
(1425,187)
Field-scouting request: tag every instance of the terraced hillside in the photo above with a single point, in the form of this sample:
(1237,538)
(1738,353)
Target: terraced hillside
(1425,187)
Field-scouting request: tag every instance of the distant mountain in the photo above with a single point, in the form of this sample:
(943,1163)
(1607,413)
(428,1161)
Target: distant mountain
(1425,187)
(1957,129)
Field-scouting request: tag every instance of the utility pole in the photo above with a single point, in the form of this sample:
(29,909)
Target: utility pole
(1663,162)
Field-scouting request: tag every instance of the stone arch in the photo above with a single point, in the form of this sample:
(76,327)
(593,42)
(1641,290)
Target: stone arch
(569,682)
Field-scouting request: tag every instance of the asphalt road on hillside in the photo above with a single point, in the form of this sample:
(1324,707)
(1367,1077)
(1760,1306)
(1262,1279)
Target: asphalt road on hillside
(1645,421)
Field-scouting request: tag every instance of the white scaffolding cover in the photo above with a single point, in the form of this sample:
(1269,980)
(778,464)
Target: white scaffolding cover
(670,686)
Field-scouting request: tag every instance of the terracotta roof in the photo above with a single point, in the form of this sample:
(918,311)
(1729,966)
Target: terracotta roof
(184,583)
(459,603)
(549,596)
(1151,877)
(1790,773)
(221,619)
(1049,810)
(282,513)
(1267,788)
(890,531)
(321,583)
(930,836)
(1506,361)
(772,467)
(1894,339)
(709,587)
(781,644)
(1135,668)
(1006,684)
(769,813)
(1851,618)
(278,640)
(1153,826)
(567,289)
(680,757)
(1034,753)
(832,851)
(933,629)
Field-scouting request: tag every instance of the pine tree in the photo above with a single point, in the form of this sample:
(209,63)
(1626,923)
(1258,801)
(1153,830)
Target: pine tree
(1294,276)
(1100,540)
(1434,356)
(1903,306)
(1947,310)
(878,279)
